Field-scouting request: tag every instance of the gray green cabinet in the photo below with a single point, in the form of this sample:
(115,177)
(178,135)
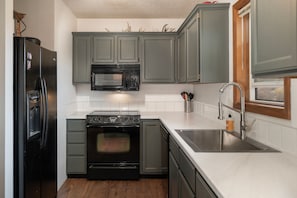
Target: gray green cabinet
(184,179)
(192,50)
(154,151)
(206,32)
(273,38)
(158,58)
(103,49)
(173,177)
(76,147)
(181,58)
(115,48)
(128,49)
(202,188)
(81,57)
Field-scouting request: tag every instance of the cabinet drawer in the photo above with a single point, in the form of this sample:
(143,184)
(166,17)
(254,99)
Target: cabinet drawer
(76,164)
(76,125)
(187,169)
(77,137)
(76,149)
(174,149)
(202,189)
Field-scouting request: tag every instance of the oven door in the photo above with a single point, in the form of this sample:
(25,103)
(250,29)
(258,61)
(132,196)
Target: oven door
(113,144)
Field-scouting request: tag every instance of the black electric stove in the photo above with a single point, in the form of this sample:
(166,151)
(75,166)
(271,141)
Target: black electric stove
(113,145)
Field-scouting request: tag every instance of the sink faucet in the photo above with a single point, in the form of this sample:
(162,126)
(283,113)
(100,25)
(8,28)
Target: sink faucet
(241,111)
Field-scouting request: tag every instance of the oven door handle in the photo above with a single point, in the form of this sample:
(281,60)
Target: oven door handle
(111,126)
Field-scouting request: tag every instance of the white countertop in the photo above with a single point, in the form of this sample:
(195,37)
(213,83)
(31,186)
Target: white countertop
(231,175)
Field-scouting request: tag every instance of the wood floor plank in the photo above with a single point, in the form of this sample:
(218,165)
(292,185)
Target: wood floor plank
(143,188)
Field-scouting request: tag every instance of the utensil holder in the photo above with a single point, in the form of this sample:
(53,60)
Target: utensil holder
(188,106)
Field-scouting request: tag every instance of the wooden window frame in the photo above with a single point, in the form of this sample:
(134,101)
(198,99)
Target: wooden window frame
(241,71)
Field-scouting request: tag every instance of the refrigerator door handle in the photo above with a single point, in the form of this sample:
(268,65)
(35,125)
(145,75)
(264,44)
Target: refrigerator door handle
(45,113)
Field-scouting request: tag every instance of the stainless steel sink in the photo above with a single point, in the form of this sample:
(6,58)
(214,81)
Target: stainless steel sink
(216,140)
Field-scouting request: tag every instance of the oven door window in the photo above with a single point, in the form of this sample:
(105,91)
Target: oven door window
(113,143)
(112,79)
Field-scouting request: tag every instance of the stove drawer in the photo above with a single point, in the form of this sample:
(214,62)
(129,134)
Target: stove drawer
(76,125)
(76,137)
(76,165)
(76,149)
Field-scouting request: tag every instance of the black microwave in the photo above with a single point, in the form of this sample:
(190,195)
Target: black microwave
(115,77)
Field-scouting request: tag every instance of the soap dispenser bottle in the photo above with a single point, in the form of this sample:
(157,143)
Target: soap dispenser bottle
(229,123)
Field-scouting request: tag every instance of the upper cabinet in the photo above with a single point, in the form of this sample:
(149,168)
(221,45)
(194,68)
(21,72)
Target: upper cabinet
(81,58)
(197,52)
(115,49)
(203,45)
(127,49)
(192,49)
(103,49)
(182,57)
(158,58)
(274,41)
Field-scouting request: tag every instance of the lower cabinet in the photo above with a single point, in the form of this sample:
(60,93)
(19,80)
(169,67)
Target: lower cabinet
(154,150)
(184,180)
(173,177)
(202,189)
(76,147)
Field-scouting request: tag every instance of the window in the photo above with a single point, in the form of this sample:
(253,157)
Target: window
(263,96)
(268,91)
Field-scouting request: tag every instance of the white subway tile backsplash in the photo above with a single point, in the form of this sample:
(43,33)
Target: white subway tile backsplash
(289,140)
(274,134)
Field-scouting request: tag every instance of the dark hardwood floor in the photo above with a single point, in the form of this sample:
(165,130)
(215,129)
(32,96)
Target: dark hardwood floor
(143,188)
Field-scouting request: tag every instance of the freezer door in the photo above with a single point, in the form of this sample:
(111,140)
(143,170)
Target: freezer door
(49,138)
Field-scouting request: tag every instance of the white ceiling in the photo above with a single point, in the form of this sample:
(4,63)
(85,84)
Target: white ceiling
(131,8)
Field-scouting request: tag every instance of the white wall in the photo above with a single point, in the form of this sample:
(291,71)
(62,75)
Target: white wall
(118,25)
(2,100)
(6,101)
(65,23)
(39,20)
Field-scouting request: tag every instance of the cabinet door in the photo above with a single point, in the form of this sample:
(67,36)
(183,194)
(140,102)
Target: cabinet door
(184,188)
(273,27)
(127,49)
(214,44)
(152,149)
(181,57)
(173,177)
(192,36)
(202,189)
(81,59)
(104,49)
(158,59)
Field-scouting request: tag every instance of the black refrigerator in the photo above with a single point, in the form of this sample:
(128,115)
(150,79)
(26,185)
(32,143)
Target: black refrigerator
(35,120)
